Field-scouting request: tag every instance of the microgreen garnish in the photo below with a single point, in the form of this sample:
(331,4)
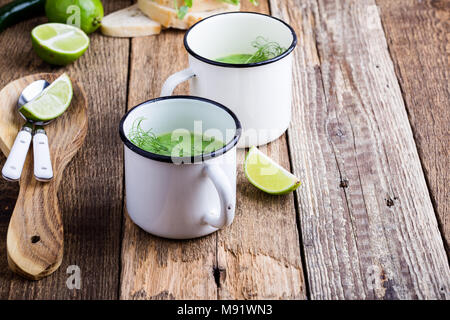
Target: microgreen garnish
(145,140)
(265,50)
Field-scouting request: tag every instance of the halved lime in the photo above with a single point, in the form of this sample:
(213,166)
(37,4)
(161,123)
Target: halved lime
(267,175)
(58,43)
(51,103)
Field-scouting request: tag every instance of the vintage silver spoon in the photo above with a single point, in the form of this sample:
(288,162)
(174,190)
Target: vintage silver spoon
(43,171)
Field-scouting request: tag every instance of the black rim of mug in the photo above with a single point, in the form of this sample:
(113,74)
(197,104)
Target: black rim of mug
(180,160)
(242,65)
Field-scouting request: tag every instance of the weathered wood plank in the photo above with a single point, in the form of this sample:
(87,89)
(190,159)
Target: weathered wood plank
(417,35)
(90,196)
(258,256)
(368,225)
(152,267)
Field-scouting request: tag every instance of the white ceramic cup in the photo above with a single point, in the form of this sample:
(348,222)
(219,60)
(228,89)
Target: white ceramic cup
(176,197)
(259,93)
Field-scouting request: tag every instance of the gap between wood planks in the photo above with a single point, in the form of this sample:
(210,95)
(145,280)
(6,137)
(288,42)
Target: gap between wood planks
(119,274)
(298,224)
(296,202)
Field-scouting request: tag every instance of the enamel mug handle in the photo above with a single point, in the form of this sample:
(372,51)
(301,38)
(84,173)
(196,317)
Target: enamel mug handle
(220,181)
(12,170)
(43,170)
(174,80)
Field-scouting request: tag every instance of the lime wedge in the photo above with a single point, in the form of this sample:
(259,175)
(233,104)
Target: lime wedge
(51,102)
(267,175)
(58,43)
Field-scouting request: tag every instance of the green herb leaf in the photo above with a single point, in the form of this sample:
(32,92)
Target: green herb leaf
(266,50)
(182,11)
(145,140)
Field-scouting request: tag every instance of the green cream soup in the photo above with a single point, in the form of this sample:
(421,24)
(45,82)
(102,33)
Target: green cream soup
(186,145)
(236,58)
(176,144)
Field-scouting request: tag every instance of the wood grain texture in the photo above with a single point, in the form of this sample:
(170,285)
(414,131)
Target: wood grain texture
(258,256)
(368,225)
(418,34)
(90,195)
(35,239)
(367,222)
(152,267)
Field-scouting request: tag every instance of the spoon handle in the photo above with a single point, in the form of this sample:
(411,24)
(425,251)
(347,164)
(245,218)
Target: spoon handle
(43,170)
(12,170)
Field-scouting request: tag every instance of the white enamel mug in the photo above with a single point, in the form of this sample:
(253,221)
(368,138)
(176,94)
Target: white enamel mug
(259,93)
(181,197)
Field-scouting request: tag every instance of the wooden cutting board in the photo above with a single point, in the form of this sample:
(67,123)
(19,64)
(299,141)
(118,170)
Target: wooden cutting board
(35,239)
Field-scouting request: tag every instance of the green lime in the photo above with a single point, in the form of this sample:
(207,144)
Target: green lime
(86,14)
(59,44)
(267,175)
(51,102)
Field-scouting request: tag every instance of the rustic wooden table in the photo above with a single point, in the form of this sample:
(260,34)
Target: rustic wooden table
(369,138)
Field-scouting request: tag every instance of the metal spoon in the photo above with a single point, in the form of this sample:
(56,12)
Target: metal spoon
(12,170)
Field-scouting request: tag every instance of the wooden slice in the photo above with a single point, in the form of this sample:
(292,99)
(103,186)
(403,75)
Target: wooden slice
(35,239)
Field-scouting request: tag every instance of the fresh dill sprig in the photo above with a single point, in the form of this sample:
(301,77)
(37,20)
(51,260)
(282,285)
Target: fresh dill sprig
(145,140)
(265,50)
